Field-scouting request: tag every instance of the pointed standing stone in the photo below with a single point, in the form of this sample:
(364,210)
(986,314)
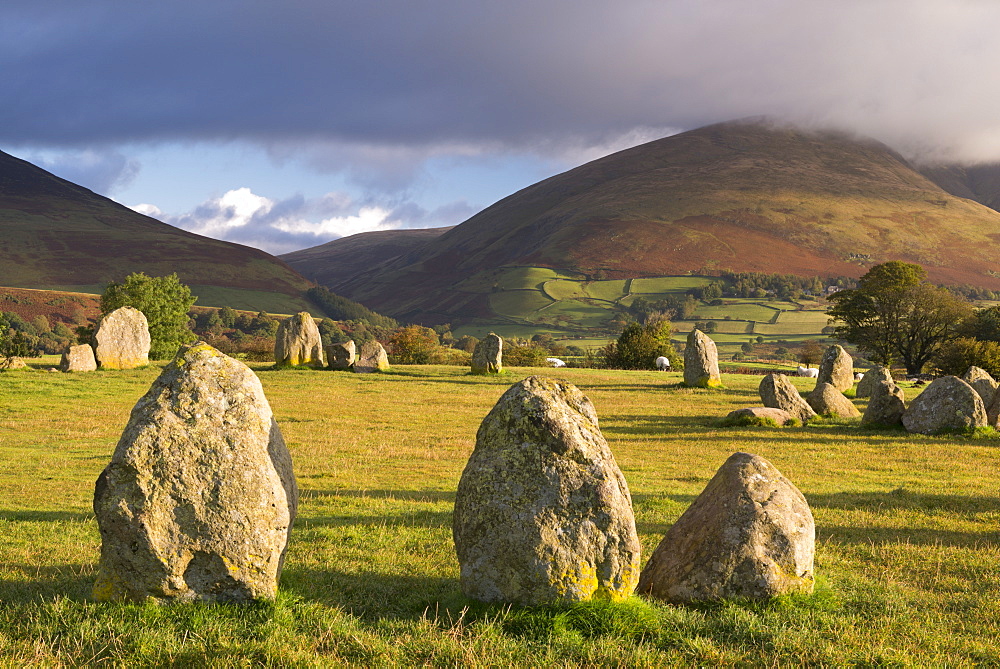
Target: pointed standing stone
(836,368)
(826,399)
(750,533)
(199,498)
(372,358)
(487,357)
(542,513)
(298,342)
(886,406)
(777,392)
(701,361)
(122,338)
(982,382)
(341,356)
(78,359)
(871,379)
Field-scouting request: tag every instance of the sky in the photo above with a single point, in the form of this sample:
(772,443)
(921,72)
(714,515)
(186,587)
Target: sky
(284,125)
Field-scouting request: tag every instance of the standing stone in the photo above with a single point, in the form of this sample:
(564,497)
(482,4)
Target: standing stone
(78,359)
(872,378)
(749,534)
(701,361)
(826,399)
(298,342)
(749,415)
(777,392)
(836,368)
(372,358)
(543,514)
(199,498)
(982,382)
(122,339)
(886,406)
(341,356)
(487,357)
(993,411)
(10,364)
(948,403)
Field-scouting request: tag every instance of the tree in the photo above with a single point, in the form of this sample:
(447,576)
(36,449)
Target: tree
(956,356)
(810,352)
(164,300)
(413,345)
(640,345)
(895,315)
(13,343)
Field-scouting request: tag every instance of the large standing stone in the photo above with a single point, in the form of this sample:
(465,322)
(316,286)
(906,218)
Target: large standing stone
(487,357)
(749,534)
(777,392)
(122,339)
(948,403)
(542,513)
(836,368)
(341,356)
(701,361)
(372,358)
(872,378)
(886,406)
(826,399)
(78,359)
(298,342)
(199,498)
(982,382)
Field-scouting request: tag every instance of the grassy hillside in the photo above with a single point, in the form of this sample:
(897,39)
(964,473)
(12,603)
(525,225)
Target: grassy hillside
(906,550)
(58,235)
(738,196)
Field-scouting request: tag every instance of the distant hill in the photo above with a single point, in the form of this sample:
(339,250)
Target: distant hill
(337,261)
(740,196)
(979,182)
(58,235)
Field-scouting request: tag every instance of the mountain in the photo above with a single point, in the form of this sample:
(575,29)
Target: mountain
(739,196)
(978,182)
(58,235)
(337,261)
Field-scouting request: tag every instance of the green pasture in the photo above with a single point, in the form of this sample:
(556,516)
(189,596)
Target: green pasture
(737,309)
(669,284)
(907,549)
(521,304)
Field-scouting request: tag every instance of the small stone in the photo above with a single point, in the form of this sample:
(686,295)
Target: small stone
(78,359)
(122,338)
(487,357)
(341,356)
(298,342)
(886,406)
(750,534)
(777,392)
(372,358)
(542,513)
(199,498)
(982,382)
(948,403)
(747,415)
(701,361)
(12,364)
(871,379)
(826,399)
(836,368)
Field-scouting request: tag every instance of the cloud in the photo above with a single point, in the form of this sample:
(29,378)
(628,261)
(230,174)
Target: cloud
(376,88)
(280,226)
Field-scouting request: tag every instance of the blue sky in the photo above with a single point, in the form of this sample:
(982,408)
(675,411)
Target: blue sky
(286,124)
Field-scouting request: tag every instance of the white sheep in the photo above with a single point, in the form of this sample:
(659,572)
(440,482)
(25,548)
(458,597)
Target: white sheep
(555,362)
(807,372)
(662,363)
(859,376)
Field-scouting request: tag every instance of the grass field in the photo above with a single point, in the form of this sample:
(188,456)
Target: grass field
(907,549)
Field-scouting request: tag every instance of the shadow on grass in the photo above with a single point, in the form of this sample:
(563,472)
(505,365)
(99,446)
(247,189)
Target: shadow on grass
(868,536)
(72,581)
(904,499)
(412,495)
(45,516)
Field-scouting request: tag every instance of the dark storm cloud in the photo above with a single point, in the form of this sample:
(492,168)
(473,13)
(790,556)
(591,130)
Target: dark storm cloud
(537,76)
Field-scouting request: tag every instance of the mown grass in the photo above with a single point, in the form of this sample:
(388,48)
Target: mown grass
(907,555)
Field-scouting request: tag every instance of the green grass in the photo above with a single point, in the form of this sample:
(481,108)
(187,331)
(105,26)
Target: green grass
(906,555)
(669,284)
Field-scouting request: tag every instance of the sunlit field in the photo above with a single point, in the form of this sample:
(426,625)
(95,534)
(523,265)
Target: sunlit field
(907,549)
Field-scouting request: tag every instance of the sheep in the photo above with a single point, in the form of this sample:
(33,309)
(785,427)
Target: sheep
(662,363)
(859,376)
(555,362)
(807,372)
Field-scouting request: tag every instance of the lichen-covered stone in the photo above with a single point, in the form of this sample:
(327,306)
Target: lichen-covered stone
(886,406)
(750,533)
(371,358)
(948,403)
(872,378)
(487,357)
(341,356)
(78,359)
(826,399)
(749,413)
(298,342)
(701,361)
(542,513)
(122,338)
(836,368)
(199,498)
(778,392)
(982,382)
